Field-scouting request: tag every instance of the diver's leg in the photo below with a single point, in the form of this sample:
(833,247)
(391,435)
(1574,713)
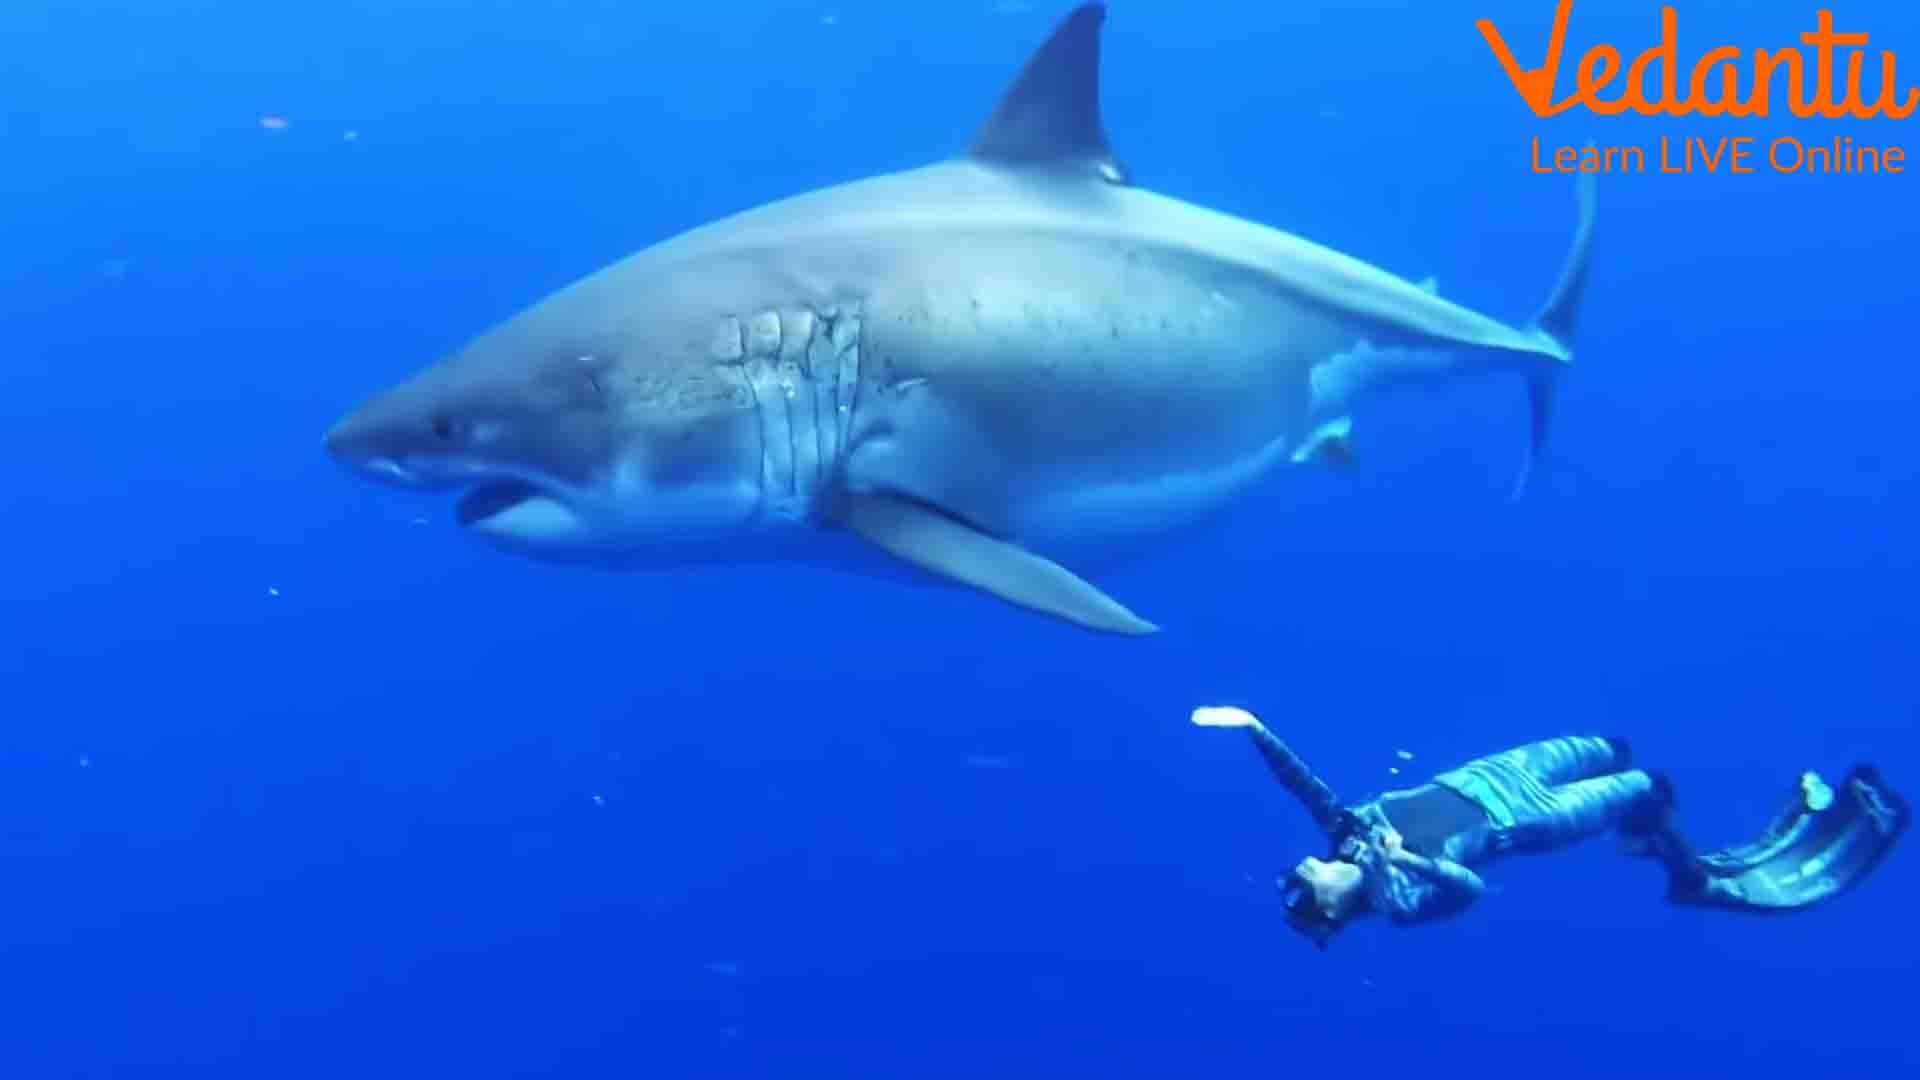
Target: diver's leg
(1587,808)
(1663,843)
(1569,758)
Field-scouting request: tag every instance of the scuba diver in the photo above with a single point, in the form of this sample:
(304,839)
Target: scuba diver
(1408,855)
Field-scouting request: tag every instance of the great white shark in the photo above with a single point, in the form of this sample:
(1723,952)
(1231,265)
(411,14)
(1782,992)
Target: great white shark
(992,368)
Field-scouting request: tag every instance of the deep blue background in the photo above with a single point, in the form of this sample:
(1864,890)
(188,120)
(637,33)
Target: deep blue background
(434,811)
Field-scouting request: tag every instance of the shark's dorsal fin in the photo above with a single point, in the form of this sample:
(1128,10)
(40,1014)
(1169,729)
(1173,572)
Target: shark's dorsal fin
(1050,116)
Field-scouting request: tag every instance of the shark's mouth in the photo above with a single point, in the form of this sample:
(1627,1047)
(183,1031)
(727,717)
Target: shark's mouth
(492,498)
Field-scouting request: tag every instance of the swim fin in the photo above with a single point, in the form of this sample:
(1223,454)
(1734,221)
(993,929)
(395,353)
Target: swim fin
(1823,842)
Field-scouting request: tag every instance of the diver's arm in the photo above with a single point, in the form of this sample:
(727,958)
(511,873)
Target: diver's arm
(1294,775)
(1455,886)
(1287,767)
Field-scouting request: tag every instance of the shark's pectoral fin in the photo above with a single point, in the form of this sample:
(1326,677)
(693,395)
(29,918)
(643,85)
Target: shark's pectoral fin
(1330,444)
(952,549)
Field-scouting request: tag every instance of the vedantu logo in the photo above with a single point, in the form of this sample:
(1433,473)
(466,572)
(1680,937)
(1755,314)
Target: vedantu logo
(1833,83)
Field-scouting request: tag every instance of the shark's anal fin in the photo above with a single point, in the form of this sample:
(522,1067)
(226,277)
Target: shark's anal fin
(953,550)
(1050,116)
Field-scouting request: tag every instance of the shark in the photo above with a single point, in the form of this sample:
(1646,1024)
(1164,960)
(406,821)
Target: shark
(1002,371)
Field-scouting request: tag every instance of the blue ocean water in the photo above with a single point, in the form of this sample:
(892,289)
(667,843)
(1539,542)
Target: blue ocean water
(298,781)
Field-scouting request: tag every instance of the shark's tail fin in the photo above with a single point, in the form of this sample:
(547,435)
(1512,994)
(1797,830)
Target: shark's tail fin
(1556,324)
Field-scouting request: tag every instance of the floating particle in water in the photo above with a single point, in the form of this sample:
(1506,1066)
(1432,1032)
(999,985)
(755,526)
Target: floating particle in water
(599,800)
(988,761)
(1403,755)
(830,19)
(421,520)
(86,762)
(724,967)
(1393,770)
(273,122)
(115,269)
(349,135)
(273,590)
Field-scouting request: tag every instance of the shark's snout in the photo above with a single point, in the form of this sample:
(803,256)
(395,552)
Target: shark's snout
(346,442)
(406,448)
(382,448)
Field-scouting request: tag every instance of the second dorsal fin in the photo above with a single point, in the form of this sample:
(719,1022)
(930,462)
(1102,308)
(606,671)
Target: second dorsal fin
(1050,116)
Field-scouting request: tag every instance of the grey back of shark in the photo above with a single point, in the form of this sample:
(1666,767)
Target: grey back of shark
(992,369)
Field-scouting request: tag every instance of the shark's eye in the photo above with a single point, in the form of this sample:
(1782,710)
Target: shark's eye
(443,429)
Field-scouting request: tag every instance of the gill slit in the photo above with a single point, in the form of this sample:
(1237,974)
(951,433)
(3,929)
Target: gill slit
(801,366)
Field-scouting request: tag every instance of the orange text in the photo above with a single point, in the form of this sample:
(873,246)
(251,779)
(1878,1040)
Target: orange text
(1713,86)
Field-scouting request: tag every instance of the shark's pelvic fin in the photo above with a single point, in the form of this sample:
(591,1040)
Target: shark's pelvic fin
(956,551)
(1330,444)
(1557,323)
(1050,116)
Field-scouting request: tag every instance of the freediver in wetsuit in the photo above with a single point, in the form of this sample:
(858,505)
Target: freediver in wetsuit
(1409,854)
